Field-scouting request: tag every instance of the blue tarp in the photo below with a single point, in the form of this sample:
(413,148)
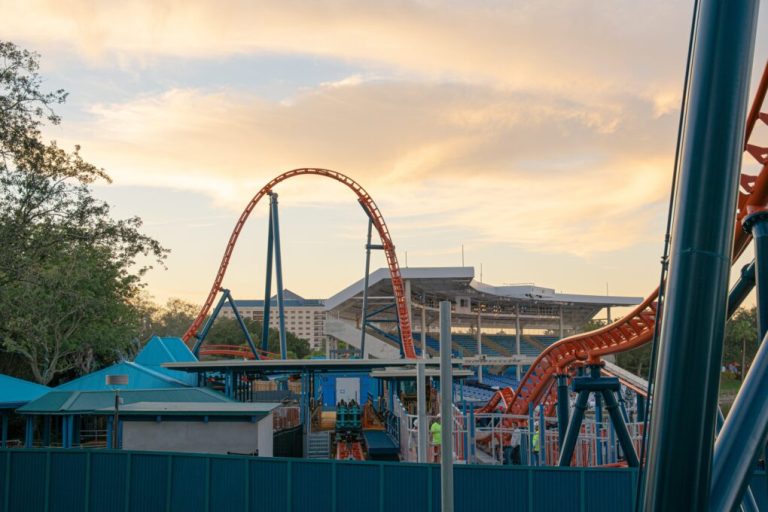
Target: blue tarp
(16,392)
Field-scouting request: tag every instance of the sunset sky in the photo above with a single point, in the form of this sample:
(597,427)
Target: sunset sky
(538,134)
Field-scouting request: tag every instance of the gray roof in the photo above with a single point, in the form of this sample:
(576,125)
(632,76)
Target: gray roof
(538,307)
(197,408)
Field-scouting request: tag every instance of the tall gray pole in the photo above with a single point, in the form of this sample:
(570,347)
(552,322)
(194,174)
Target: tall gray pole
(424,354)
(446,408)
(682,427)
(421,412)
(517,340)
(479,347)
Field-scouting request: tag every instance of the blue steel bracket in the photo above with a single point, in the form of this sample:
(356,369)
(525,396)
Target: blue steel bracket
(599,384)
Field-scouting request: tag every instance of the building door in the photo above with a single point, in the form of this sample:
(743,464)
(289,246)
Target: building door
(348,388)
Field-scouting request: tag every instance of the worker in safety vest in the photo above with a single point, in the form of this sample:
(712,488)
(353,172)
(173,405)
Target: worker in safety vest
(536,445)
(436,432)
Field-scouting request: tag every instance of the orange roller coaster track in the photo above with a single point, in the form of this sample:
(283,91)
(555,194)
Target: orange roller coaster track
(637,327)
(368,204)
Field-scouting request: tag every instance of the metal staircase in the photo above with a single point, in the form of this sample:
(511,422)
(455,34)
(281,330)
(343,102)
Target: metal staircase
(319,445)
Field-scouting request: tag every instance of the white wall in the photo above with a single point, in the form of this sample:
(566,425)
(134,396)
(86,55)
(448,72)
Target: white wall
(200,437)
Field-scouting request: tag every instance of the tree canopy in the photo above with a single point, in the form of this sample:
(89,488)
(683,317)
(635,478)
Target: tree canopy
(70,274)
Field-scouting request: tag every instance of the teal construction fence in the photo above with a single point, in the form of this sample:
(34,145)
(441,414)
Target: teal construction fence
(56,480)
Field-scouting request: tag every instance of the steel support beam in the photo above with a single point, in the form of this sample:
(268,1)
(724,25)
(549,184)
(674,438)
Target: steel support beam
(421,413)
(278,274)
(364,313)
(735,456)
(562,406)
(446,408)
(690,344)
(572,434)
(267,286)
(620,428)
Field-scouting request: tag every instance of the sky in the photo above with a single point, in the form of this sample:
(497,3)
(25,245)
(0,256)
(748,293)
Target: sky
(539,135)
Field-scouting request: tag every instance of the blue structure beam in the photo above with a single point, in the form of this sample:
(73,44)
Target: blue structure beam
(364,312)
(267,286)
(690,344)
(278,273)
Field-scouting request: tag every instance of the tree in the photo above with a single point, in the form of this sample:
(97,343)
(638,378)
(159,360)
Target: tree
(741,338)
(174,318)
(69,279)
(227,331)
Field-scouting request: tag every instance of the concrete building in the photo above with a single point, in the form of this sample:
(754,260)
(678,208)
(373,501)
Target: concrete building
(304,318)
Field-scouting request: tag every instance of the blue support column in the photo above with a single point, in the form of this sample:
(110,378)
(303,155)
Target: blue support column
(364,312)
(562,407)
(598,429)
(743,435)
(278,274)
(241,323)
(65,431)
(690,343)
(29,432)
(110,431)
(531,430)
(574,426)
(267,286)
(47,420)
(208,324)
(5,430)
(620,427)
(542,437)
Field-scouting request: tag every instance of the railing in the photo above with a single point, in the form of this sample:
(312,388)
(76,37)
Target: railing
(285,417)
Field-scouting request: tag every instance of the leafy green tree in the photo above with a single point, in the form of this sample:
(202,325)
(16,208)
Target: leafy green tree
(227,331)
(741,337)
(174,318)
(70,280)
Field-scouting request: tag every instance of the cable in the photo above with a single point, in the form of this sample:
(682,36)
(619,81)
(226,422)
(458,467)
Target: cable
(665,262)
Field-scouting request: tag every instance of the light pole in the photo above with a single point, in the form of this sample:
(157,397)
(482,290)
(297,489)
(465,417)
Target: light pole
(115,381)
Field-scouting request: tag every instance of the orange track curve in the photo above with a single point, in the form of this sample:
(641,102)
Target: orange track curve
(367,202)
(637,327)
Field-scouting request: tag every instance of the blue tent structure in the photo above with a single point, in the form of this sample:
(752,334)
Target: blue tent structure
(160,350)
(13,394)
(139,377)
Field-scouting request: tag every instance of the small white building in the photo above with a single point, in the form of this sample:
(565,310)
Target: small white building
(199,427)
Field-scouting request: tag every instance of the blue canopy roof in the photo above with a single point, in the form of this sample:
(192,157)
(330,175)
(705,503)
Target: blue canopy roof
(164,350)
(15,392)
(139,377)
(167,350)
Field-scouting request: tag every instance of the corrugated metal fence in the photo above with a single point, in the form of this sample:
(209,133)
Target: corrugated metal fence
(51,480)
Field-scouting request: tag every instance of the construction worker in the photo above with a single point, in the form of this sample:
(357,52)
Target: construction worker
(536,445)
(436,432)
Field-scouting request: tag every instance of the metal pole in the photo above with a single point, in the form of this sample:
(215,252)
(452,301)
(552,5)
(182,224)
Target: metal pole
(446,408)
(479,347)
(424,354)
(115,420)
(562,407)
(279,275)
(562,329)
(267,285)
(598,428)
(421,412)
(517,340)
(364,313)
(729,482)
(741,438)
(542,437)
(690,344)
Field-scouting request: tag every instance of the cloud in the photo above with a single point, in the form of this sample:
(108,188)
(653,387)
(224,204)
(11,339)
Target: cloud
(548,45)
(533,169)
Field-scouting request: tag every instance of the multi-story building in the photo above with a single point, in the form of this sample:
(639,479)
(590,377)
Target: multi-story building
(304,318)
